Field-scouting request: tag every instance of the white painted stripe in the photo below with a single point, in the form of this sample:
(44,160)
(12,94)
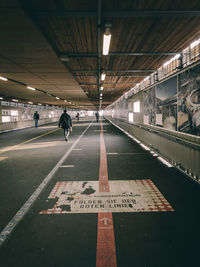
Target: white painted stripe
(115,153)
(2,158)
(165,162)
(129,135)
(67,166)
(155,155)
(100,130)
(27,205)
(145,147)
(77,149)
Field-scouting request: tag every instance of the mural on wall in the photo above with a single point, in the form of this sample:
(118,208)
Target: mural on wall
(149,106)
(189,101)
(169,105)
(166,104)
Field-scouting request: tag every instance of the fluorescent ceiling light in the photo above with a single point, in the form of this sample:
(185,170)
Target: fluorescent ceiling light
(177,56)
(39,104)
(65,100)
(167,63)
(1,98)
(145,79)
(57,97)
(101,94)
(101,88)
(106,41)
(15,100)
(103,76)
(31,88)
(3,78)
(30,102)
(193,44)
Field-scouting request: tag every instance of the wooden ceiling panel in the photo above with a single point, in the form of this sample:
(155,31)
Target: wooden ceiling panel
(58,44)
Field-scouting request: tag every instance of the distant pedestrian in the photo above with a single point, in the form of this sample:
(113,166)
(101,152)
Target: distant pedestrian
(66,123)
(36,118)
(77,116)
(97,116)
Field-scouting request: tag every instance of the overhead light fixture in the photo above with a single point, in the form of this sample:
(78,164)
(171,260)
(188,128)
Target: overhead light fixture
(30,102)
(3,78)
(15,100)
(65,100)
(193,44)
(103,76)
(101,88)
(101,94)
(106,40)
(177,56)
(64,58)
(39,104)
(57,97)
(1,98)
(145,79)
(31,88)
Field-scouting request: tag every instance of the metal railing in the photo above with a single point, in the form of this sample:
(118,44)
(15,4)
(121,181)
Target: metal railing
(179,149)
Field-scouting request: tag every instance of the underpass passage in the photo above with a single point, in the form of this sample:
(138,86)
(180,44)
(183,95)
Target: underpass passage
(99,186)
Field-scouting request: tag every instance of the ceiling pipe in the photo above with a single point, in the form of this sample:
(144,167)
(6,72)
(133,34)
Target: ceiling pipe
(99,44)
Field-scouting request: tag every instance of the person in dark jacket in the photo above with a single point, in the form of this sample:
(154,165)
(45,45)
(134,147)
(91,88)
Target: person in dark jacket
(36,118)
(77,116)
(66,123)
(97,116)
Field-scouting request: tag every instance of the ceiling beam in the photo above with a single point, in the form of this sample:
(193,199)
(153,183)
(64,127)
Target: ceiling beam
(119,13)
(67,56)
(143,54)
(116,83)
(151,13)
(111,75)
(113,71)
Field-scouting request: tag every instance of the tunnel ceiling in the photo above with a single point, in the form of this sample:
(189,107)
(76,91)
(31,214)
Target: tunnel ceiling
(55,46)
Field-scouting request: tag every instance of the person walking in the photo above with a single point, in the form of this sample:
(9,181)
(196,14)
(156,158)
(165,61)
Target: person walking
(66,123)
(36,118)
(77,116)
(97,116)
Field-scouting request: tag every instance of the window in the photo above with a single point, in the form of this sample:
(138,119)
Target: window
(5,118)
(130,116)
(14,112)
(5,112)
(136,106)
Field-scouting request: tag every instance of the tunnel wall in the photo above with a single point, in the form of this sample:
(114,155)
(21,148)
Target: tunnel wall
(168,120)
(17,116)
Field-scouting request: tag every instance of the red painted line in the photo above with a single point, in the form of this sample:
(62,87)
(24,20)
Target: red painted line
(106,252)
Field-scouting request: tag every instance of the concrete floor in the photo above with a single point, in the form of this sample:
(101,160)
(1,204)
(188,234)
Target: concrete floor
(53,231)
